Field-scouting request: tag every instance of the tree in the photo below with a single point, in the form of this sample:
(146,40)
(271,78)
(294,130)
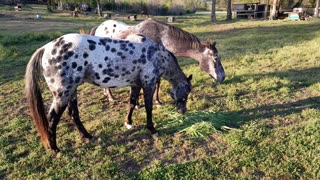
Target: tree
(99,8)
(213,11)
(316,11)
(274,10)
(50,5)
(229,12)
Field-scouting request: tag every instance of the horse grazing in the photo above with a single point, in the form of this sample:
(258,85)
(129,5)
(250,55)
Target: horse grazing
(73,59)
(174,39)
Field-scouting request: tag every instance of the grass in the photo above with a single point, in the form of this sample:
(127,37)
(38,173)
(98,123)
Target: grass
(262,122)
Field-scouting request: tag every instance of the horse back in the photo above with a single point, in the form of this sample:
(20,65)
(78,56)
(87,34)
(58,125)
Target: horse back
(73,59)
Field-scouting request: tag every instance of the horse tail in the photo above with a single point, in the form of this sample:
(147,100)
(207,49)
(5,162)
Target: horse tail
(33,93)
(93,30)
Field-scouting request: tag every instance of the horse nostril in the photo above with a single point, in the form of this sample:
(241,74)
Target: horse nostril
(181,110)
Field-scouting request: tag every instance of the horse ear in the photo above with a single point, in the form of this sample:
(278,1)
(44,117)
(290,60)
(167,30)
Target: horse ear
(213,44)
(190,78)
(208,44)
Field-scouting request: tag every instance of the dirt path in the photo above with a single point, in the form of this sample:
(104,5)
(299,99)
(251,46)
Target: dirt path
(15,25)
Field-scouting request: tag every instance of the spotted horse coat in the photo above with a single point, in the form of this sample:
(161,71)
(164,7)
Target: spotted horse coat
(73,59)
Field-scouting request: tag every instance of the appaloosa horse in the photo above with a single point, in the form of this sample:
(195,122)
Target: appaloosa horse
(73,59)
(174,39)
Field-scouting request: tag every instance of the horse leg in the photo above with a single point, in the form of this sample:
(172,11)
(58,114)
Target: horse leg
(134,97)
(73,111)
(148,93)
(54,115)
(107,92)
(156,99)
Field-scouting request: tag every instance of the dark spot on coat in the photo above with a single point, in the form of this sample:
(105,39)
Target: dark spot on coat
(119,53)
(103,41)
(79,68)
(123,46)
(70,80)
(74,65)
(91,42)
(117,67)
(151,51)
(63,73)
(59,58)
(70,53)
(107,48)
(113,50)
(115,41)
(92,47)
(85,55)
(108,71)
(106,79)
(97,75)
(52,80)
(143,39)
(65,57)
(54,51)
(106,58)
(85,63)
(77,80)
(100,65)
(143,50)
(114,25)
(76,56)
(131,52)
(123,57)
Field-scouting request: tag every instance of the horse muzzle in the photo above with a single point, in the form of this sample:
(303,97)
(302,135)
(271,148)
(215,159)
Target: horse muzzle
(182,110)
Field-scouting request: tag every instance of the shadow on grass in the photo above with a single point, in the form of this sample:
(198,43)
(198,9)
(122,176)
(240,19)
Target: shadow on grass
(283,109)
(305,77)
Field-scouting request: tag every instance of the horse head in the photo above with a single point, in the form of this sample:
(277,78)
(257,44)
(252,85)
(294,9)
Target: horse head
(211,62)
(180,94)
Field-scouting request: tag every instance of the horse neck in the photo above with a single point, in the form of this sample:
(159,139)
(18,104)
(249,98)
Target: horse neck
(195,53)
(174,74)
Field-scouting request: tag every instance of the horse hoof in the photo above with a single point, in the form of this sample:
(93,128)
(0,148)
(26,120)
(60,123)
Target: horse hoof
(55,152)
(111,100)
(128,126)
(58,155)
(155,135)
(157,103)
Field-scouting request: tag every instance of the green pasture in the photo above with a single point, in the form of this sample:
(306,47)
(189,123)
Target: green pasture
(262,122)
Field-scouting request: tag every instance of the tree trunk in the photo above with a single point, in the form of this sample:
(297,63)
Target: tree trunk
(229,11)
(316,11)
(60,5)
(213,12)
(99,8)
(274,10)
(50,5)
(266,10)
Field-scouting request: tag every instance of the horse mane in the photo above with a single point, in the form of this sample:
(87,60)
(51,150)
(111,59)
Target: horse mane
(189,40)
